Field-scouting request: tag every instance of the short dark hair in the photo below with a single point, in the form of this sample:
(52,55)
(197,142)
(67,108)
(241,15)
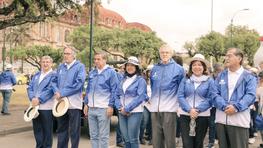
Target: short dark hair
(238,52)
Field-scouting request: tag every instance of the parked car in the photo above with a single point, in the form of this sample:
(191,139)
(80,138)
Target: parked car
(21,79)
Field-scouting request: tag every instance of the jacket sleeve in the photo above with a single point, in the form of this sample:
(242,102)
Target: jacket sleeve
(181,97)
(141,95)
(207,103)
(250,95)
(117,103)
(30,89)
(47,92)
(114,81)
(218,101)
(77,85)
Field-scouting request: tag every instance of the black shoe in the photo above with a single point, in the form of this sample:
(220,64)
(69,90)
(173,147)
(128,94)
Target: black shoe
(261,145)
(120,144)
(150,142)
(5,114)
(142,141)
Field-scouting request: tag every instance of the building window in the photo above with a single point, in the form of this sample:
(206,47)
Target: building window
(66,36)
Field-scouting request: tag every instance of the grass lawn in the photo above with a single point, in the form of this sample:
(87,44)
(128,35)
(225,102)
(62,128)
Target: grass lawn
(19,97)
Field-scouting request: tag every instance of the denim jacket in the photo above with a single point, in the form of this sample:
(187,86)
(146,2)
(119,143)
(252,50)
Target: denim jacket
(199,98)
(69,83)
(43,90)
(242,97)
(165,80)
(134,96)
(101,88)
(7,80)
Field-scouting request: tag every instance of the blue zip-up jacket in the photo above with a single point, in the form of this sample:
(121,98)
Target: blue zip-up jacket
(165,80)
(134,96)
(199,98)
(243,96)
(7,80)
(43,90)
(101,88)
(69,83)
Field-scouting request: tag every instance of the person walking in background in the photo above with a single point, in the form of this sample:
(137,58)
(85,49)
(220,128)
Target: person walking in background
(99,100)
(70,78)
(7,81)
(40,93)
(165,78)
(194,96)
(130,95)
(234,92)
(146,124)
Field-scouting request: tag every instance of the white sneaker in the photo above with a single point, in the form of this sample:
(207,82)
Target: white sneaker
(255,134)
(177,140)
(251,140)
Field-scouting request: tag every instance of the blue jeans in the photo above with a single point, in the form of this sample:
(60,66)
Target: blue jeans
(119,138)
(69,123)
(43,128)
(146,124)
(99,127)
(130,129)
(6,99)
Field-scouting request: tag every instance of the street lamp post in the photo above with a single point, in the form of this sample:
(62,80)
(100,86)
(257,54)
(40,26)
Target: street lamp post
(91,34)
(231,24)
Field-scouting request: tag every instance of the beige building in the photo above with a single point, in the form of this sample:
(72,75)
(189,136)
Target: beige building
(55,32)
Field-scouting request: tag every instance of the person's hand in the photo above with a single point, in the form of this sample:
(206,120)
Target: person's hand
(123,112)
(109,111)
(230,110)
(35,102)
(57,95)
(193,113)
(86,110)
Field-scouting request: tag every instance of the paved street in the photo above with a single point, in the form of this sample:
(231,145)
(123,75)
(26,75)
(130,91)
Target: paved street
(26,140)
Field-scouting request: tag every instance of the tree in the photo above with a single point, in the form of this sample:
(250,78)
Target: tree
(245,39)
(118,42)
(211,44)
(190,47)
(33,54)
(19,12)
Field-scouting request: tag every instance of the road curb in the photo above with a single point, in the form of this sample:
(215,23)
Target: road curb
(15,130)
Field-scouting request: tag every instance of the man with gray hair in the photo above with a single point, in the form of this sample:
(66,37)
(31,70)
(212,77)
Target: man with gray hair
(165,78)
(69,82)
(234,92)
(40,93)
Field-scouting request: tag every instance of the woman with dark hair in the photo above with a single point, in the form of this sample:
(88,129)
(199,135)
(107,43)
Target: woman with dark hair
(130,95)
(194,96)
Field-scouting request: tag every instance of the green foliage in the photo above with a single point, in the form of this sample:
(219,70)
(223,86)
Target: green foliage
(214,44)
(19,12)
(117,42)
(211,44)
(33,54)
(244,38)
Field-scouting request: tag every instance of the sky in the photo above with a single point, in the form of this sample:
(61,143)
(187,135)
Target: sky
(178,21)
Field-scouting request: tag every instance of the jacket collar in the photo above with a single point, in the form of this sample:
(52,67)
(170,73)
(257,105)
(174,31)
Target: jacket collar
(171,61)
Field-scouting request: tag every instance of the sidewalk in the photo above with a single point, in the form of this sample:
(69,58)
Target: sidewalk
(14,123)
